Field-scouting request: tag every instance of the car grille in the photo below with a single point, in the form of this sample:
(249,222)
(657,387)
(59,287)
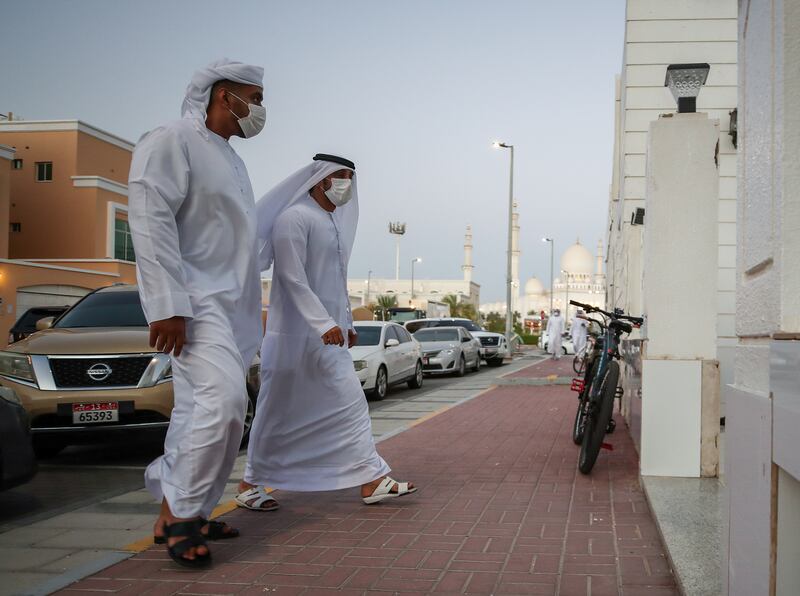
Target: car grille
(73,372)
(490,341)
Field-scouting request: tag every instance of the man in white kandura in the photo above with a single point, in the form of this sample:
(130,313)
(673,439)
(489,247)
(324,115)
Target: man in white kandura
(192,217)
(579,331)
(312,430)
(555,328)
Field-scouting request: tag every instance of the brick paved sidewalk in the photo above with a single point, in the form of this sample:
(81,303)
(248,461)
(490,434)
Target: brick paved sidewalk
(501,510)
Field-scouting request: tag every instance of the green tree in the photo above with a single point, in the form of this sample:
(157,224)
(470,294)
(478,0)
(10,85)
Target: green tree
(451,300)
(384,303)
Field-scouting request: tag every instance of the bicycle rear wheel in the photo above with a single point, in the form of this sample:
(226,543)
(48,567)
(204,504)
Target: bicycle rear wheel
(579,362)
(597,421)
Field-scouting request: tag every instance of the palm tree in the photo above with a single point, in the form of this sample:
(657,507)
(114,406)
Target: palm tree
(451,300)
(384,303)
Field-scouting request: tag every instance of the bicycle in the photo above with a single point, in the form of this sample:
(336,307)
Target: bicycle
(582,355)
(603,390)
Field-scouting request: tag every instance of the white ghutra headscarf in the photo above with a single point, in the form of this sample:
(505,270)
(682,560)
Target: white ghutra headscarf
(198,91)
(291,190)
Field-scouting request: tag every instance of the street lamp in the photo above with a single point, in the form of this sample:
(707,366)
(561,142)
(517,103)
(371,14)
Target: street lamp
(684,81)
(566,299)
(413,261)
(509,280)
(369,279)
(550,240)
(398,229)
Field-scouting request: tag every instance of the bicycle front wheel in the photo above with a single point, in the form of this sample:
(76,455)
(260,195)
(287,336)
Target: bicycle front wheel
(598,419)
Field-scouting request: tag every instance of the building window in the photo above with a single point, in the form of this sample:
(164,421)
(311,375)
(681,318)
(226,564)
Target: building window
(44,171)
(16,164)
(123,244)
(16,227)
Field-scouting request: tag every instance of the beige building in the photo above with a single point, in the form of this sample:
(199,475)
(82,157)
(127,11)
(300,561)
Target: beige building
(63,214)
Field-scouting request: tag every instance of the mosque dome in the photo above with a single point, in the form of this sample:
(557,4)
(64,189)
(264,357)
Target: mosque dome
(534,287)
(577,260)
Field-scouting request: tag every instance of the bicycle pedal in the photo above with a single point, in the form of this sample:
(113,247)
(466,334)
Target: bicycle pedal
(612,426)
(578,385)
(607,446)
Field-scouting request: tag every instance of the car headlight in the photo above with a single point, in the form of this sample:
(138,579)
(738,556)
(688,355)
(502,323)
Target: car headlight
(16,366)
(359,364)
(10,396)
(447,352)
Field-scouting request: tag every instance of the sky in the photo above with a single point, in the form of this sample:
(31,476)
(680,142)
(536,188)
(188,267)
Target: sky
(414,92)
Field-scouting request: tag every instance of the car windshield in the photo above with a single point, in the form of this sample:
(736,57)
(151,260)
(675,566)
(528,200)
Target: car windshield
(424,335)
(368,335)
(105,309)
(465,323)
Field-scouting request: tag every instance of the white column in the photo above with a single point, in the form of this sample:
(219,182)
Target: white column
(467,267)
(680,382)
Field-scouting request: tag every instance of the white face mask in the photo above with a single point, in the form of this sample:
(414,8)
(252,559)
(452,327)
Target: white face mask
(340,192)
(254,122)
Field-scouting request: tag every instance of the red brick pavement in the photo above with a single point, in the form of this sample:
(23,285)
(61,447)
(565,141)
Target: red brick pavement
(545,368)
(500,510)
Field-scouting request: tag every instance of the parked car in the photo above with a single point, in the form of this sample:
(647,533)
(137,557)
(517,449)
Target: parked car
(494,348)
(93,373)
(566,342)
(447,350)
(26,324)
(17,461)
(386,355)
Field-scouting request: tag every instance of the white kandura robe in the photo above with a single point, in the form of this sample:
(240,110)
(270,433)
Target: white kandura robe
(192,218)
(555,327)
(578,333)
(312,430)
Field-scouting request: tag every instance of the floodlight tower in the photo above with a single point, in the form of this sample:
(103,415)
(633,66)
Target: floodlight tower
(398,229)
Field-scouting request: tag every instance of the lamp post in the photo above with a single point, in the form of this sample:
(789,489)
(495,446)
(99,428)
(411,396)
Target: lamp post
(369,280)
(550,240)
(566,299)
(684,81)
(398,229)
(509,280)
(413,261)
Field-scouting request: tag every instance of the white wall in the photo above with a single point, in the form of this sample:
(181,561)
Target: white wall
(659,33)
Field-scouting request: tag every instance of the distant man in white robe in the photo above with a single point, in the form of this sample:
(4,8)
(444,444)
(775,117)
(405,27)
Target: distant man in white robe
(555,328)
(579,331)
(312,430)
(192,217)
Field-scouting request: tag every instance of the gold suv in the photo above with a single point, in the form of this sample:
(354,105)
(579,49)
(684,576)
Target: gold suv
(91,373)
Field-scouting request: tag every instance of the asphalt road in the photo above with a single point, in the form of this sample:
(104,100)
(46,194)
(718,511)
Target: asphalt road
(85,474)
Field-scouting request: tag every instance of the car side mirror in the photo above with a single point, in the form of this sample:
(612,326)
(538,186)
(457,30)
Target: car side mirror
(464,340)
(391,343)
(44,323)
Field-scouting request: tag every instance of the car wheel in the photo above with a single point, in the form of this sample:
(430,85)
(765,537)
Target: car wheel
(462,366)
(477,366)
(47,448)
(563,349)
(250,414)
(381,384)
(416,381)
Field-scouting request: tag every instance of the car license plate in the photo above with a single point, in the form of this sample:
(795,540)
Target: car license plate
(95,413)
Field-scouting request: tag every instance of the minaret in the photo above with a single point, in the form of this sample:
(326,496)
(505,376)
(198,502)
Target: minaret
(467,266)
(515,262)
(599,271)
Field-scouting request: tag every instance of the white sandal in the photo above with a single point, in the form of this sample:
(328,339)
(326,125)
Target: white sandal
(384,491)
(245,500)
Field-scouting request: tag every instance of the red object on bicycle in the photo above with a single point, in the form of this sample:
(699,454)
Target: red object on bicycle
(578,385)
(607,446)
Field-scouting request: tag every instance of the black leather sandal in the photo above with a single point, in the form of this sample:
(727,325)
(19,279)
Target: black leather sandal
(194,538)
(216,531)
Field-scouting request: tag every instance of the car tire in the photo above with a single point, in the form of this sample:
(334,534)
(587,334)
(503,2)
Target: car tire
(381,384)
(47,448)
(462,366)
(249,415)
(477,366)
(415,382)
(563,349)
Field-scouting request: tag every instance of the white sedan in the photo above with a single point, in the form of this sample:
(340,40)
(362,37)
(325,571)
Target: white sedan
(385,355)
(566,343)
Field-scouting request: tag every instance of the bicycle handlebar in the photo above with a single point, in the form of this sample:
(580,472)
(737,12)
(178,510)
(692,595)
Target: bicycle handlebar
(590,309)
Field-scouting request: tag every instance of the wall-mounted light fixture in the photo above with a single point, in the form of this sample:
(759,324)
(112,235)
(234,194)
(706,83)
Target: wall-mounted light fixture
(637,217)
(733,129)
(684,81)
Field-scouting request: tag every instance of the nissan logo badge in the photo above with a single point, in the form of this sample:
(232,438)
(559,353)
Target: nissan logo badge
(99,371)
